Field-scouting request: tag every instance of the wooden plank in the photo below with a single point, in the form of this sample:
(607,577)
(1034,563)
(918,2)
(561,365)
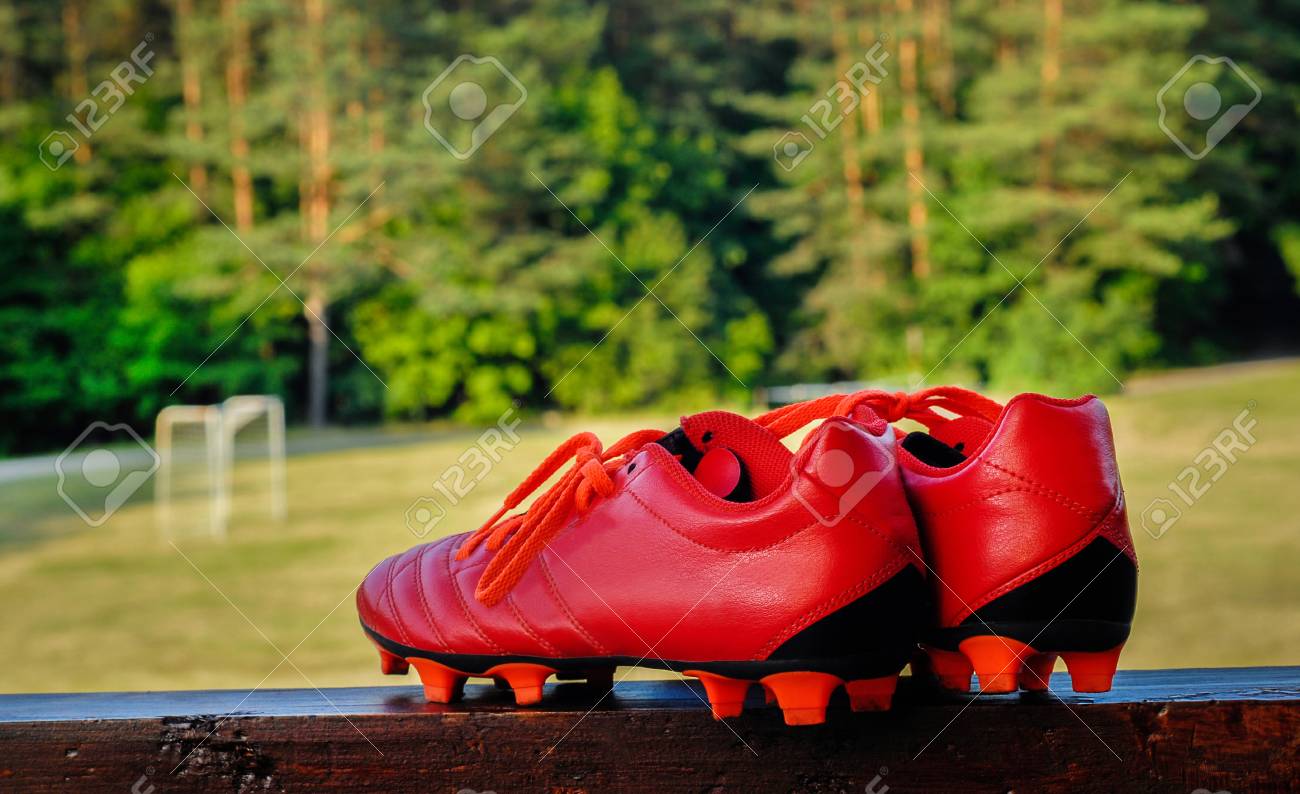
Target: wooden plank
(1220,730)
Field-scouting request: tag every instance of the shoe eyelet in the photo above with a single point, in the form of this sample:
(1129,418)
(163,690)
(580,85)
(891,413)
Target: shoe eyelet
(631,467)
(707,437)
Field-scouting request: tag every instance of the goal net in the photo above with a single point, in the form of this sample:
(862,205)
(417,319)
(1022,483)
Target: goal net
(219,459)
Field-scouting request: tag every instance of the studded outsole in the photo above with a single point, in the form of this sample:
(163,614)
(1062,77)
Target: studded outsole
(1003,664)
(802,696)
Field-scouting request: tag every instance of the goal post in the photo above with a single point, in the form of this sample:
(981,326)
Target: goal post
(236,414)
(207,475)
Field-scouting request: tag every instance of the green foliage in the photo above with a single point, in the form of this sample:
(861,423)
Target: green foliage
(625,239)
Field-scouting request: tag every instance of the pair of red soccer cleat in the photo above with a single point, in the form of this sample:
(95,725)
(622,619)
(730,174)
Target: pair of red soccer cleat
(996,541)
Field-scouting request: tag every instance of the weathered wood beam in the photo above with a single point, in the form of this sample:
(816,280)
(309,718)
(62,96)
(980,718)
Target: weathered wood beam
(1234,730)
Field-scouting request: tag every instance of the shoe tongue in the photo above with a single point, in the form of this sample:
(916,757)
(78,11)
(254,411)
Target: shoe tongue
(732,456)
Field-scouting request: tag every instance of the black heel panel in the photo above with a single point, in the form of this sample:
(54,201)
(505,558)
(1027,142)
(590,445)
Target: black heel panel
(1083,604)
(884,624)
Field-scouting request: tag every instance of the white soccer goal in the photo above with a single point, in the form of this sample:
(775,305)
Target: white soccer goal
(199,445)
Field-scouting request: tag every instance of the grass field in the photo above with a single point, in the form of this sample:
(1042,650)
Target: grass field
(119,607)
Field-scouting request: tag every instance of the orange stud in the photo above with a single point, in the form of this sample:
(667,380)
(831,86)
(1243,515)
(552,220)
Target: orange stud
(441,683)
(803,696)
(952,669)
(997,661)
(871,694)
(1092,672)
(726,695)
(525,679)
(1037,672)
(392,664)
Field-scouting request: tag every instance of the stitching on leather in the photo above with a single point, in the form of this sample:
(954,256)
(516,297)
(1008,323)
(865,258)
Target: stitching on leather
(564,607)
(1113,521)
(401,569)
(392,606)
(703,545)
(424,602)
(972,502)
(1048,492)
(830,605)
(1041,568)
(901,548)
(692,485)
(464,607)
(510,601)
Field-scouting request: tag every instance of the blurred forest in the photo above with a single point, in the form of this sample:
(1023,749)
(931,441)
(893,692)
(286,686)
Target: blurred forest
(418,284)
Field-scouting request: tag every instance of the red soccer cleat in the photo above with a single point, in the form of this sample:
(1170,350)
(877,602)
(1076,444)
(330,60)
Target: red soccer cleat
(1026,538)
(1023,522)
(713,551)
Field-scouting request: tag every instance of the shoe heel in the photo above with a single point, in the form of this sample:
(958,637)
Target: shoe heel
(997,661)
(1092,671)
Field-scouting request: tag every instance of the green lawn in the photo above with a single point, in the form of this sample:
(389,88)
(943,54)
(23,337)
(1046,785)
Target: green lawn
(120,608)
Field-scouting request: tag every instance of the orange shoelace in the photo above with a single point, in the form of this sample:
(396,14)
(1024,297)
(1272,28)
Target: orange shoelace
(515,540)
(889,406)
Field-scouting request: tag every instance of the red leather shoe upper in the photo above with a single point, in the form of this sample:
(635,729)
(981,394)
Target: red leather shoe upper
(662,567)
(1037,486)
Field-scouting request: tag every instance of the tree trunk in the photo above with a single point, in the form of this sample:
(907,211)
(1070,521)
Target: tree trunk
(237,98)
(938,56)
(1051,73)
(316,223)
(1006,47)
(375,95)
(191,89)
(10,60)
(74,43)
(851,156)
(870,107)
(913,155)
(316,308)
